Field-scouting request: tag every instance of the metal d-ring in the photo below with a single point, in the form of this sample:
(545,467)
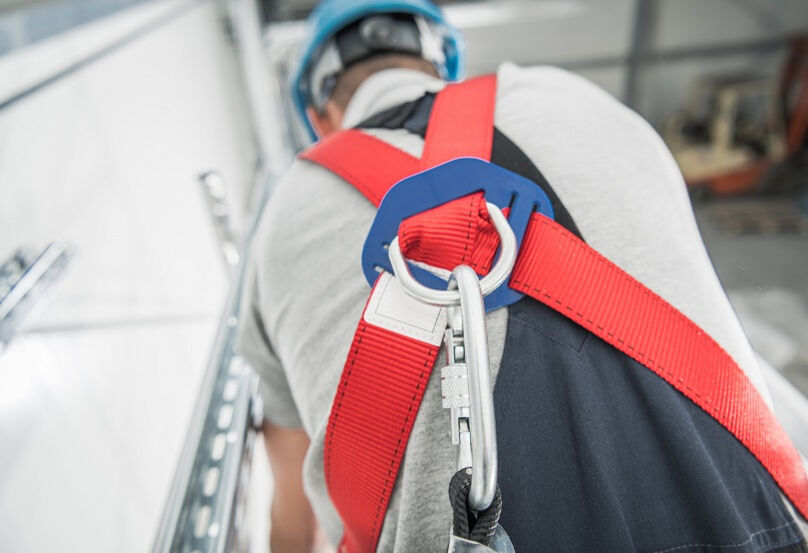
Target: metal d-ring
(499,272)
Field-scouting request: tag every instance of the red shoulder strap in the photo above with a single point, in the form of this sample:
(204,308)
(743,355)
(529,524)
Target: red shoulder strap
(373,166)
(563,272)
(462,122)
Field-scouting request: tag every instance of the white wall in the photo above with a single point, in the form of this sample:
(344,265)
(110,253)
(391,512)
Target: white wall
(107,159)
(96,394)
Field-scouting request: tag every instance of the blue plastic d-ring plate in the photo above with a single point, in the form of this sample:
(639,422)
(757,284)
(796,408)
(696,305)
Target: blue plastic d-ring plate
(454,179)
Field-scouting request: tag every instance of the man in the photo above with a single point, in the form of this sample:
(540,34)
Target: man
(596,452)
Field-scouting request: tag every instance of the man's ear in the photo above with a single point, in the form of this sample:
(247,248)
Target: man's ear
(320,122)
(326,123)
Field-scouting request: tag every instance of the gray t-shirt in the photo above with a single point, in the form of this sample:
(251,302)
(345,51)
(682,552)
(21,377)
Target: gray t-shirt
(307,291)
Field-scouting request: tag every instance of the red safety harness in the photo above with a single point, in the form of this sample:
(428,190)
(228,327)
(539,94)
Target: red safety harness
(366,438)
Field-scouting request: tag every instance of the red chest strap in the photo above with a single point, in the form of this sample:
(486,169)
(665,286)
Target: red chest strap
(385,375)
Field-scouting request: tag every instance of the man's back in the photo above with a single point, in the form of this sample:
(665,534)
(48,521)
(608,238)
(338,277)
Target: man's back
(609,170)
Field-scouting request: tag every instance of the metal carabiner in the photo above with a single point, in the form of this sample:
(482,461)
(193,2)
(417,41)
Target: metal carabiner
(475,424)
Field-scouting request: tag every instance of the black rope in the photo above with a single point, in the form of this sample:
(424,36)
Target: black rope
(467,523)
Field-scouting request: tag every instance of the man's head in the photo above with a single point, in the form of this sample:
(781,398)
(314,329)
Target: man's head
(329,118)
(349,40)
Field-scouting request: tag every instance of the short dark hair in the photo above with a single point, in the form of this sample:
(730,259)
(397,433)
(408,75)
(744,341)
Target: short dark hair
(349,80)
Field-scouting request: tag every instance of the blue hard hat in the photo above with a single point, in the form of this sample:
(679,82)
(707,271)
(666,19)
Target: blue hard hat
(331,16)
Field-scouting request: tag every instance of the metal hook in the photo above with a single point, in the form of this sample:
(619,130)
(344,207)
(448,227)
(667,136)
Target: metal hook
(482,425)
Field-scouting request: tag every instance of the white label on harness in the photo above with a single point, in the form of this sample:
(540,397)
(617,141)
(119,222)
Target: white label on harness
(392,309)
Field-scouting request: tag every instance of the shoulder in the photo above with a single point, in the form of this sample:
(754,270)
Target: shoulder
(313,219)
(585,140)
(568,103)
(306,204)
(515,78)
(554,85)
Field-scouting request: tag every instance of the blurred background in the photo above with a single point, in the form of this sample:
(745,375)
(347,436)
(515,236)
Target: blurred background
(139,138)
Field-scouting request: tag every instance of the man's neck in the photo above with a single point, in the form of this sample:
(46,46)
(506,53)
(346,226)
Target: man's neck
(386,89)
